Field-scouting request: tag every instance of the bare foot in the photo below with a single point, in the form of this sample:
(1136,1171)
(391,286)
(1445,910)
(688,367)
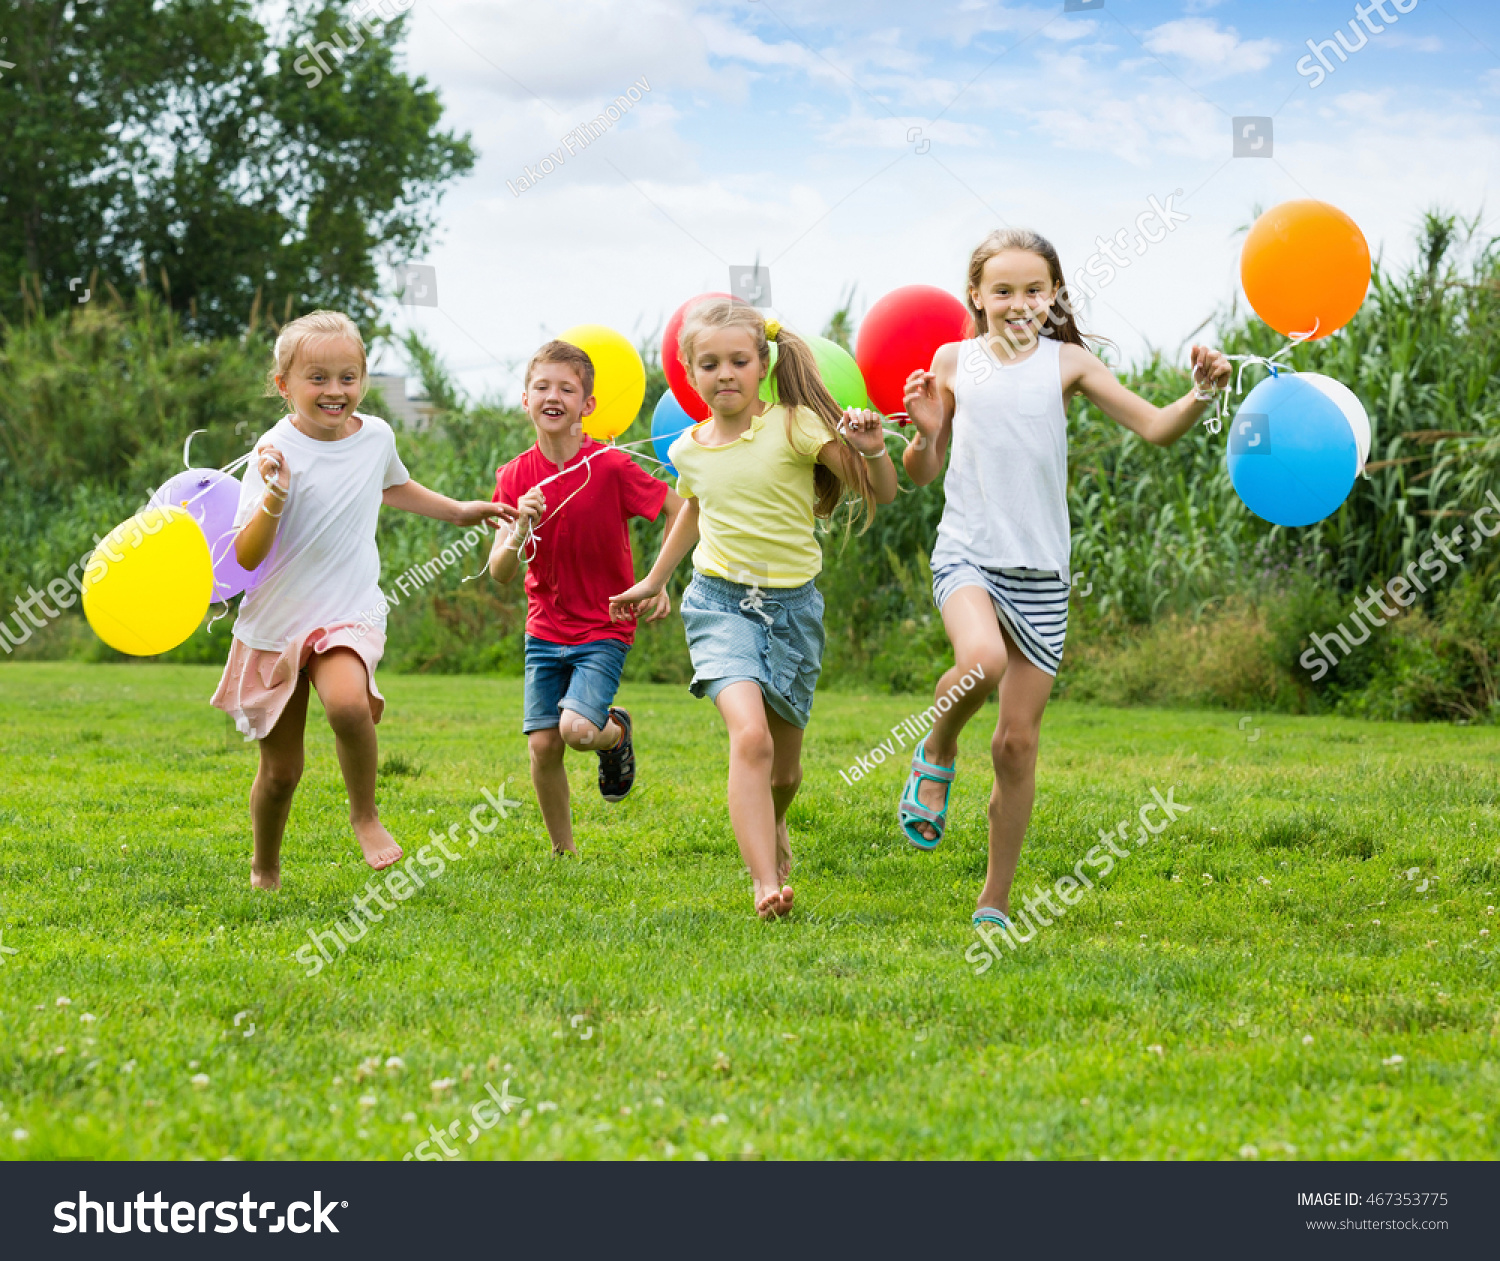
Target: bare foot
(769,902)
(378,845)
(269,879)
(786,899)
(783,853)
(565,851)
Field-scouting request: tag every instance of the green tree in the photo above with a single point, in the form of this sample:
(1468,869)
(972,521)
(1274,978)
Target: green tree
(180,141)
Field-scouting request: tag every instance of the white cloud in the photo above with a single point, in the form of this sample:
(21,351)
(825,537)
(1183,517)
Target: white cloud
(1209,46)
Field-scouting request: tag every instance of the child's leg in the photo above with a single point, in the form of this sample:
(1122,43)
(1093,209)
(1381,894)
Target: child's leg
(275,782)
(550,779)
(344,688)
(752,805)
(1023,697)
(974,630)
(786,778)
(579,733)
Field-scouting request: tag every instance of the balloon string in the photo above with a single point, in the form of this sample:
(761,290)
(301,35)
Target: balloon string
(1215,420)
(223,604)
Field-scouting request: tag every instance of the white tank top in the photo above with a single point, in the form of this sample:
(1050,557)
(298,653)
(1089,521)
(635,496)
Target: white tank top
(1007,479)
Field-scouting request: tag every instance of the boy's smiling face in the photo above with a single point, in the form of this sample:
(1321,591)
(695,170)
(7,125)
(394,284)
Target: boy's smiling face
(555,401)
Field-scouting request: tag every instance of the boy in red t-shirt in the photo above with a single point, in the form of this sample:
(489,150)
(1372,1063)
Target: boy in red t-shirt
(573,540)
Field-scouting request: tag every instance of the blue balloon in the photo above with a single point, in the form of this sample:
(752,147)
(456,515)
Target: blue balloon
(1292,454)
(667,421)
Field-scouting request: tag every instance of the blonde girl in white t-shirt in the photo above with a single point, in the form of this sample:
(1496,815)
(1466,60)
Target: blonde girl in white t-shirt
(316,619)
(1000,564)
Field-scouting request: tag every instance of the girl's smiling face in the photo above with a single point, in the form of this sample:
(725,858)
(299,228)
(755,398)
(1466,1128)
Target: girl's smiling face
(1015,293)
(324,386)
(726,369)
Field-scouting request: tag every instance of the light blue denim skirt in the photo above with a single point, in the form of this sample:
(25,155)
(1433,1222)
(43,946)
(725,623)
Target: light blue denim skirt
(772,636)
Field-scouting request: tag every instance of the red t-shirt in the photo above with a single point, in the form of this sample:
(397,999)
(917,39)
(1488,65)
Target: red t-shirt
(583,552)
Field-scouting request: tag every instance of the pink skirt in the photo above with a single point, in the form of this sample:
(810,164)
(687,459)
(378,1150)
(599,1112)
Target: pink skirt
(257,683)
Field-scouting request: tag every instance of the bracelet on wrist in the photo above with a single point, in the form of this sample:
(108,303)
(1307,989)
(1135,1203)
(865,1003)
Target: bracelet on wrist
(879,455)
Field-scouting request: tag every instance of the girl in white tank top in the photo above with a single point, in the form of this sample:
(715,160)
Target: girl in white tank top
(1000,563)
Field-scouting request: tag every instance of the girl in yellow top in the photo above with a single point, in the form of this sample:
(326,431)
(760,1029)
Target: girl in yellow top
(755,476)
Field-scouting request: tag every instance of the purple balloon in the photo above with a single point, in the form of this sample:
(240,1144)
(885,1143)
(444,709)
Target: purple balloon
(211,498)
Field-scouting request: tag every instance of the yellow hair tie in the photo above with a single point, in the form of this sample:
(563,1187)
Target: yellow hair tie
(773,327)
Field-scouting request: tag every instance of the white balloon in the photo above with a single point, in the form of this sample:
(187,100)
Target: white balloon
(1354,412)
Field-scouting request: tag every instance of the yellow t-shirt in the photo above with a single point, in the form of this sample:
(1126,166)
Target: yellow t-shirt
(755,499)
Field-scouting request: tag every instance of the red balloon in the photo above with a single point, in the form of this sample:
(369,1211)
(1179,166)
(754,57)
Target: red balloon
(900,334)
(677,377)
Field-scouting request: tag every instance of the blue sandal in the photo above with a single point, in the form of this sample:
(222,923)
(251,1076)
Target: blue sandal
(911,811)
(989,915)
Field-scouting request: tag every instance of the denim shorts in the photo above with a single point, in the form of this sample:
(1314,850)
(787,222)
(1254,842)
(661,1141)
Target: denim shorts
(770,636)
(580,677)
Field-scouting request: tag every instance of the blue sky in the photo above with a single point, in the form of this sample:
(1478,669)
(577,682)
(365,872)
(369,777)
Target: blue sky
(874,144)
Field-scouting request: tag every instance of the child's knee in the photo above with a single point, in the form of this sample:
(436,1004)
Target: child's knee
(1014,749)
(349,717)
(546,747)
(786,780)
(753,744)
(988,664)
(578,732)
(280,778)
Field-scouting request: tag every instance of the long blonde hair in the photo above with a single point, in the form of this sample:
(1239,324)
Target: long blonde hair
(798,384)
(303,329)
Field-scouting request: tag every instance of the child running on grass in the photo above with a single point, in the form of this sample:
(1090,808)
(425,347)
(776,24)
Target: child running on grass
(314,487)
(755,477)
(573,560)
(1000,566)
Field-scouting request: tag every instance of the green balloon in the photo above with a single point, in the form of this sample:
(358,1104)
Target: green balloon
(837,368)
(768,384)
(840,373)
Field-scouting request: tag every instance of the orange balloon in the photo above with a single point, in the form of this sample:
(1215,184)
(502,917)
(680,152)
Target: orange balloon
(1305,268)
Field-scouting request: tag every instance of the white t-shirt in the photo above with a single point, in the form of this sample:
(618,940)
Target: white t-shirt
(325,567)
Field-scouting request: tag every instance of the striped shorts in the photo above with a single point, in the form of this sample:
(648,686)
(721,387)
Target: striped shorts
(1031,605)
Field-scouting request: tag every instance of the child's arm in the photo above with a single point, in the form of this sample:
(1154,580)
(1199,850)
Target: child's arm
(930,404)
(660,605)
(1085,373)
(866,436)
(681,538)
(505,555)
(253,542)
(409,496)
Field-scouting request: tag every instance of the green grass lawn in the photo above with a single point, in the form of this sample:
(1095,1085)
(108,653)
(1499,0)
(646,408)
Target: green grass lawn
(1240,987)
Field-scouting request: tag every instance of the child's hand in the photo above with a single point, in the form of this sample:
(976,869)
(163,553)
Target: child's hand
(864,429)
(533,504)
(660,605)
(922,403)
(629,604)
(477,511)
(1210,367)
(273,469)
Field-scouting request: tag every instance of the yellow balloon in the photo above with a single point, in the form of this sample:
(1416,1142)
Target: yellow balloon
(147,586)
(619,379)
